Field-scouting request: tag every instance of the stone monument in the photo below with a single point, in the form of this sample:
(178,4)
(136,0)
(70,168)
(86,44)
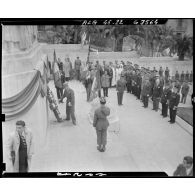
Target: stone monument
(18,38)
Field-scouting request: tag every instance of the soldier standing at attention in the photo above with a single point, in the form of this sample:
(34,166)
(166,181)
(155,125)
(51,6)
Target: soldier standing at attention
(182,76)
(146,92)
(100,122)
(166,74)
(120,87)
(184,91)
(77,66)
(160,72)
(177,75)
(157,92)
(164,100)
(173,103)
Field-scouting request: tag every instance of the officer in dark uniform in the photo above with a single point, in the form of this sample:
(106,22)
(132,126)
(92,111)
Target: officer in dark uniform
(177,75)
(173,104)
(191,76)
(128,80)
(157,92)
(164,99)
(166,74)
(146,93)
(120,87)
(160,71)
(139,82)
(187,76)
(182,76)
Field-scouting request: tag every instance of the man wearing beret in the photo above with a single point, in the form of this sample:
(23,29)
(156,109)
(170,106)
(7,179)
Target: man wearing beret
(100,122)
(186,168)
(173,103)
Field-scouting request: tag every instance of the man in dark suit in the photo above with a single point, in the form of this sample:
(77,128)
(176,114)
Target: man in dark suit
(70,103)
(146,92)
(184,91)
(157,92)
(177,75)
(120,87)
(182,76)
(173,103)
(164,99)
(186,168)
(77,66)
(100,122)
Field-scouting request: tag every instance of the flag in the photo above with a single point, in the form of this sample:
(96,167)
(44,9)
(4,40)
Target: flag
(54,60)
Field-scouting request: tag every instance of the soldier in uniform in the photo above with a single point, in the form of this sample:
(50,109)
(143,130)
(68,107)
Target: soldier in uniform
(146,92)
(77,66)
(182,76)
(178,85)
(110,73)
(128,80)
(184,91)
(100,122)
(177,75)
(187,76)
(120,88)
(166,73)
(173,103)
(157,92)
(160,72)
(70,103)
(164,99)
(191,76)
(139,82)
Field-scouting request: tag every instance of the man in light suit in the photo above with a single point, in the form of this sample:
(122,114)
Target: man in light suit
(20,148)
(100,122)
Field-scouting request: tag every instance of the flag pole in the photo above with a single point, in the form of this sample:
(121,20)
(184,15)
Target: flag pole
(89,49)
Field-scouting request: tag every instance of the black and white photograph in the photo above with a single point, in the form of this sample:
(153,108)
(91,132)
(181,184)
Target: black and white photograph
(97,97)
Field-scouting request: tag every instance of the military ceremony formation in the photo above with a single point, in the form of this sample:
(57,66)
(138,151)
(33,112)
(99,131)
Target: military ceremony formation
(69,107)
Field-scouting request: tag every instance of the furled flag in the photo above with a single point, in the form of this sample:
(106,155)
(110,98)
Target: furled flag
(54,60)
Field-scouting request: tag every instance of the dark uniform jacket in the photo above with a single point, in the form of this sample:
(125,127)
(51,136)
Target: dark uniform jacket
(120,85)
(174,100)
(165,95)
(70,96)
(146,89)
(100,121)
(157,91)
(185,89)
(128,77)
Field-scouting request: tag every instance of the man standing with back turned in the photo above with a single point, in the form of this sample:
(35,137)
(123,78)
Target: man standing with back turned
(100,122)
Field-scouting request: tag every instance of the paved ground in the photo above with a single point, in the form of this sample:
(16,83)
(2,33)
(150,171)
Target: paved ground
(146,141)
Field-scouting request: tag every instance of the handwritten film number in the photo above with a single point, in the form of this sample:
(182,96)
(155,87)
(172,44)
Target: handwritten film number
(110,22)
(146,22)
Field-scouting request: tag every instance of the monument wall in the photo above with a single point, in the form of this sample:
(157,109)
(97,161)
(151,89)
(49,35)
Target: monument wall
(21,55)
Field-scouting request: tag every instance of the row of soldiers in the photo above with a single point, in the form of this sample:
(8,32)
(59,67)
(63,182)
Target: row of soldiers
(145,84)
(184,76)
